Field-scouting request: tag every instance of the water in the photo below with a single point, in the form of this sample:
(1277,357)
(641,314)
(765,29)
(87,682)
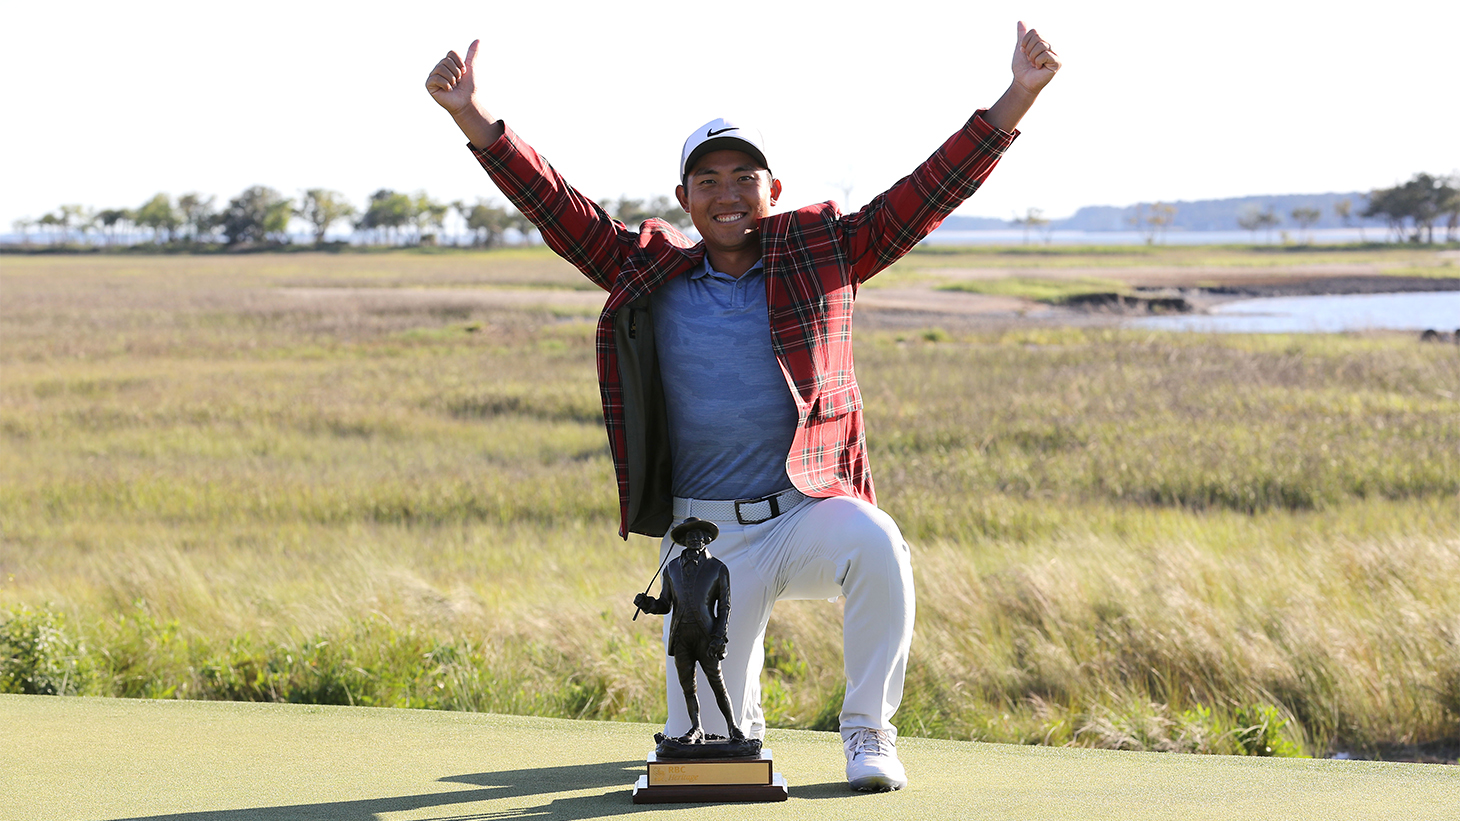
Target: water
(1437,310)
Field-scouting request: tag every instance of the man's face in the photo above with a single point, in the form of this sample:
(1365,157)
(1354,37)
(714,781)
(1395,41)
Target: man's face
(727,192)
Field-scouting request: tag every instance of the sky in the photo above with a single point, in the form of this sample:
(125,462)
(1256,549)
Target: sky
(106,104)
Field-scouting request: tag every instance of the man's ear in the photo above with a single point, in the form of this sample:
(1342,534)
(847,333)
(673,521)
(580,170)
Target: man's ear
(683,200)
(775,190)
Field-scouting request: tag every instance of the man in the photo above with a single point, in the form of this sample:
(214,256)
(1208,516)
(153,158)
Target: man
(725,368)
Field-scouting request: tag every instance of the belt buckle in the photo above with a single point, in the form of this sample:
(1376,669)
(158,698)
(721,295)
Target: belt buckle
(772,499)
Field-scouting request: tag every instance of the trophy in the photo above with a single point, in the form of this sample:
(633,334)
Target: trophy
(697,767)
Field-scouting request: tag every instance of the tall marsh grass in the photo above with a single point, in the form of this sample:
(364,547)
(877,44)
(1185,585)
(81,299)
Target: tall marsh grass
(213,488)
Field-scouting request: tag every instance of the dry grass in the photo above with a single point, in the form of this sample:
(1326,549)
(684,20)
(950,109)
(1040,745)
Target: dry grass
(213,489)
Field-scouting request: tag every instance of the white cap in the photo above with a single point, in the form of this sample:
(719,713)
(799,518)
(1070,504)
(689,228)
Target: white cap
(719,134)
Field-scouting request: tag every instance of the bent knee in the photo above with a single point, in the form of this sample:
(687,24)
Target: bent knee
(867,535)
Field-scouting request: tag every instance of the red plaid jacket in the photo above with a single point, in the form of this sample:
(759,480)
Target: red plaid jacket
(815,259)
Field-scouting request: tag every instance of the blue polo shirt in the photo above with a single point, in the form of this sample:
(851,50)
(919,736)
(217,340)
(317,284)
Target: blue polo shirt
(731,415)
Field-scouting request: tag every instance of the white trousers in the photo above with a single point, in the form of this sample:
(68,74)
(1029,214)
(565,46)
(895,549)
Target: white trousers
(821,549)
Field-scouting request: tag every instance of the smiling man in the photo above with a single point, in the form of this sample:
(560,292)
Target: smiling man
(725,368)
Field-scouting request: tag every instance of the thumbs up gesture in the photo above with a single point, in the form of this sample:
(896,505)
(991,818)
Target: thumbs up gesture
(452,83)
(1035,63)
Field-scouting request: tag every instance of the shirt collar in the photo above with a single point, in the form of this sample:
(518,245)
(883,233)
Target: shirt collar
(706,269)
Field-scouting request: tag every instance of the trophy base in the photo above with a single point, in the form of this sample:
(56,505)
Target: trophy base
(710,794)
(710,780)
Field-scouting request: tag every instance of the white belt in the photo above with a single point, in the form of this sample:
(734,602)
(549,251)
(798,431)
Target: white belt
(743,511)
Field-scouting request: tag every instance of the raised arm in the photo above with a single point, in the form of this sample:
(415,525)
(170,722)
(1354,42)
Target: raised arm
(453,84)
(574,226)
(899,218)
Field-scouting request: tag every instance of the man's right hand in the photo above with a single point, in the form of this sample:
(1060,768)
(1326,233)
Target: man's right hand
(452,84)
(644,601)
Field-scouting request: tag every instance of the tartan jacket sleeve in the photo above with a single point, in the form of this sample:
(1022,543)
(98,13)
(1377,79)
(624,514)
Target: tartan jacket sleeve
(899,218)
(815,260)
(575,227)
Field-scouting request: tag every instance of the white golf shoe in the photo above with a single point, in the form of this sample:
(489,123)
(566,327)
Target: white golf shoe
(872,764)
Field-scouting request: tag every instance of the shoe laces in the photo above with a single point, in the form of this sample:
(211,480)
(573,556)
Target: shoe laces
(870,742)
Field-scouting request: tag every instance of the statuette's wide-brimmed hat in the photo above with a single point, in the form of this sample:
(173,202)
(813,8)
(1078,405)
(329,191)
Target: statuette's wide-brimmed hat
(692,525)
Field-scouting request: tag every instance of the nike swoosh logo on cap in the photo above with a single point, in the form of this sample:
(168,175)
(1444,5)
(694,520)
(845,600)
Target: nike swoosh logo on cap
(712,132)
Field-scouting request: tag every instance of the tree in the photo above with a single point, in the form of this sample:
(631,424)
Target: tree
(1269,219)
(111,219)
(1255,219)
(1387,203)
(1450,207)
(59,223)
(1306,217)
(627,211)
(1425,193)
(1421,200)
(159,215)
(486,220)
(1158,220)
(522,225)
(1344,210)
(1033,218)
(49,223)
(86,222)
(22,226)
(386,213)
(426,212)
(1250,219)
(255,215)
(197,215)
(634,212)
(668,210)
(73,216)
(322,208)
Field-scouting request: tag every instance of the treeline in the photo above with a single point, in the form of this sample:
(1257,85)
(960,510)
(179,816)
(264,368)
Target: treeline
(1423,201)
(1410,210)
(261,216)
(1413,210)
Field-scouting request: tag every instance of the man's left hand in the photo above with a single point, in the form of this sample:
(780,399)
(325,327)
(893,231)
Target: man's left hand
(1035,63)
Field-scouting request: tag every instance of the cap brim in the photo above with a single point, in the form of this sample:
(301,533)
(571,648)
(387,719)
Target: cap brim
(722,144)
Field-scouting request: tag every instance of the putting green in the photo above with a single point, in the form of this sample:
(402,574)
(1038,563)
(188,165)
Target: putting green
(91,758)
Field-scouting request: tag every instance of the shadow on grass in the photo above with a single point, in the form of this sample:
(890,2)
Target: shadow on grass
(541,783)
(827,789)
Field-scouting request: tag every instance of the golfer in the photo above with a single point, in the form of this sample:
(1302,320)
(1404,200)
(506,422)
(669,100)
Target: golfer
(725,368)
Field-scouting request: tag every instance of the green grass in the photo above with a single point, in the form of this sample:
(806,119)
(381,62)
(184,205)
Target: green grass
(213,489)
(1445,270)
(1040,290)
